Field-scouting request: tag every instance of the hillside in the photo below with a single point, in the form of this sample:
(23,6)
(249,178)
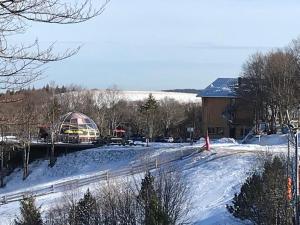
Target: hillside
(213,177)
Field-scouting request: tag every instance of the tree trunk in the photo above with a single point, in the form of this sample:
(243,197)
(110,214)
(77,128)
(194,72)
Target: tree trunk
(280,117)
(2,167)
(27,158)
(288,120)
(52,157)
(25,162)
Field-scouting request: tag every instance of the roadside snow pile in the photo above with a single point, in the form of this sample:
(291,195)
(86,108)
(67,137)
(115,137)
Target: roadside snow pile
(201,141)
(225,141)
(218,141)
(273,139)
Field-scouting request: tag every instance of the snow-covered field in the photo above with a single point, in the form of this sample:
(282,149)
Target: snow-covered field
(158,95)
(212,176)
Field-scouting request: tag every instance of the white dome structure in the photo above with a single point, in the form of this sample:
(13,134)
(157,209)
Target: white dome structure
(75,127)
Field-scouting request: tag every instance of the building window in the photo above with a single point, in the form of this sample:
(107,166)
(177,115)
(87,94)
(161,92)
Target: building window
(220,131)
(242,132)
(211,130)
(232,101)
(216,131)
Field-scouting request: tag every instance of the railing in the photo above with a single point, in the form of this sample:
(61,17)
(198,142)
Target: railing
(249,136)
(103,176)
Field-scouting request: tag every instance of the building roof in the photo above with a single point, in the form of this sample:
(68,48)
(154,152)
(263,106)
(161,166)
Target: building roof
(220,88)
(76,120)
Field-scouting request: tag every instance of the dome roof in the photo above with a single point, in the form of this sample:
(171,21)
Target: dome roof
(77,118)
(75,124)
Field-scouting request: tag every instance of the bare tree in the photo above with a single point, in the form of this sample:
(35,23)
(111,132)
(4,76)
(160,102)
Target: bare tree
(27,129)
(123,202)
(21,64)
(270,86)
(172,192)
(53,113)
(252,86)
(172,113)
(101,113)
(3,150)
(112,96)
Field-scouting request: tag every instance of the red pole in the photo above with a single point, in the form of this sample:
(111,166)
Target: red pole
(207,144)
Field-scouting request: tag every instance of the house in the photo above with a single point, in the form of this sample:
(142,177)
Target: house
(224,113)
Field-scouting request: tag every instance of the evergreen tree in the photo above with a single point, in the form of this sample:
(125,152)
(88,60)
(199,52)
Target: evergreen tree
(47,88)
(63,89)
(30,214)
(151,207)
(149,109)
(85,211)
(263,197)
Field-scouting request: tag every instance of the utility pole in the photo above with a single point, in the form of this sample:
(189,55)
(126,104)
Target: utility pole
(297,180)
(2,158)
(53,132)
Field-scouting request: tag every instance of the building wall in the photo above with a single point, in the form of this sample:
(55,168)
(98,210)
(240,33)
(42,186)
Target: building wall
(213,109)
(217,124)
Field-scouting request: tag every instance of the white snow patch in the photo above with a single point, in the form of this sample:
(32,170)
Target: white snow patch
(273,139)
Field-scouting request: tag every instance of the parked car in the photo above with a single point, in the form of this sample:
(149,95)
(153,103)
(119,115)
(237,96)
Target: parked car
(117,141)
(169,139)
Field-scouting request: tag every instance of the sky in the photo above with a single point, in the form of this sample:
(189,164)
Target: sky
(166,44)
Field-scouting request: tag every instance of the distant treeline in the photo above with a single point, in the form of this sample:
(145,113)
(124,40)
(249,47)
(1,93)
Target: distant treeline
(109,109)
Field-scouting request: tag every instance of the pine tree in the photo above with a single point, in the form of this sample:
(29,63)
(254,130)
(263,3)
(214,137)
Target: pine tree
(30,214)
(248,197)
(85,211)
(263,197)
(148,109)
(151,207)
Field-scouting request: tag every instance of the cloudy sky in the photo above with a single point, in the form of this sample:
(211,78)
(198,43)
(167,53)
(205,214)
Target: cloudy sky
(163,44)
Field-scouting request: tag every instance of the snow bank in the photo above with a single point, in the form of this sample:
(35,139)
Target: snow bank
(273,139)
(225,141)
(218,141)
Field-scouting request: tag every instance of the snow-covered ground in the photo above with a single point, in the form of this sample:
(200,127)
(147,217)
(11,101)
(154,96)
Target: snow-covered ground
(212,176)
(86,163)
